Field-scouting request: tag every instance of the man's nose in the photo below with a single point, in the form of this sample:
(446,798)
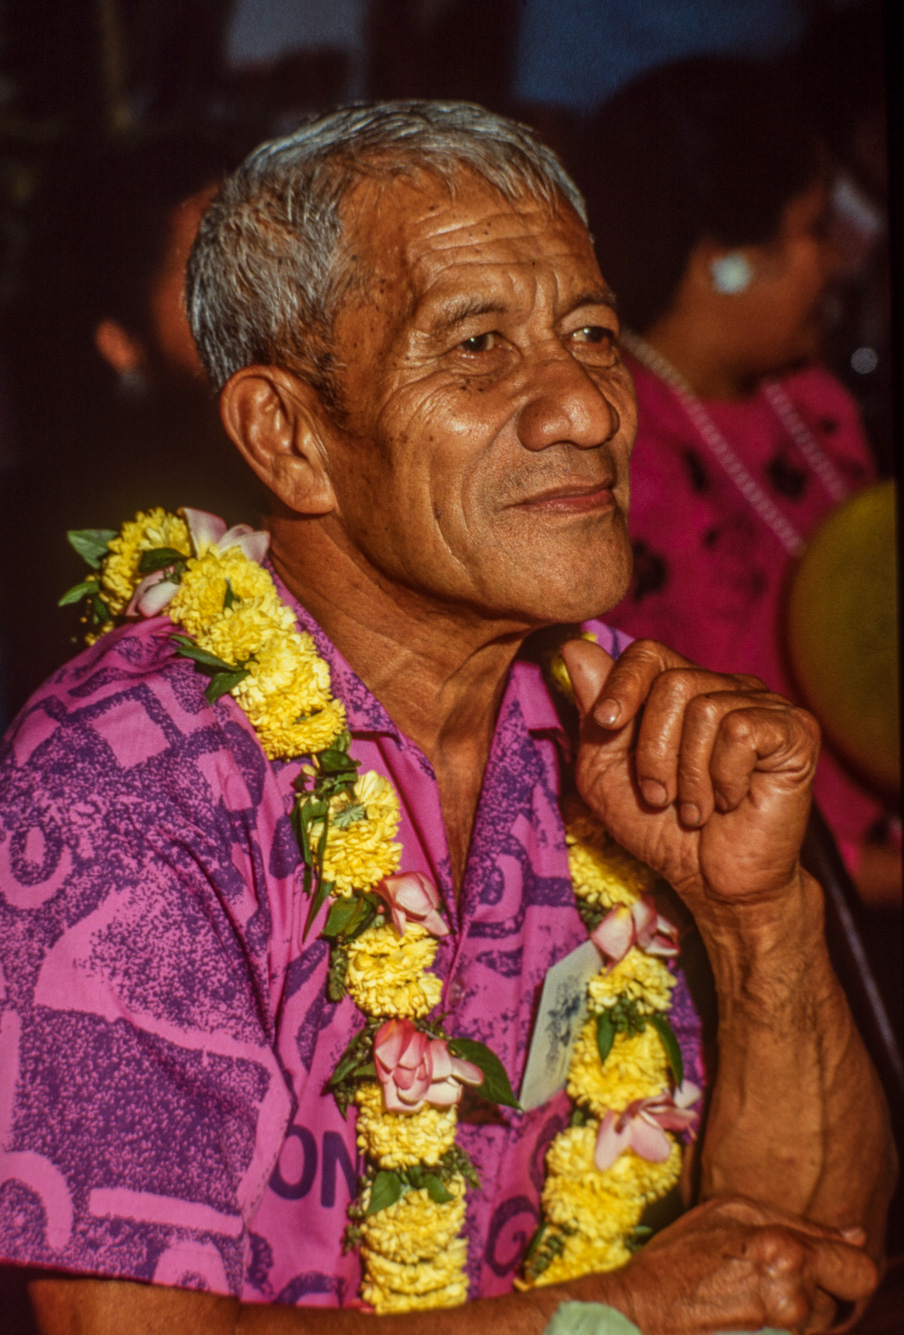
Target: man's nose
(565,406)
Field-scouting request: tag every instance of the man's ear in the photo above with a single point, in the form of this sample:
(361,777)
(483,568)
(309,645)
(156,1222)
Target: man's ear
(278,423)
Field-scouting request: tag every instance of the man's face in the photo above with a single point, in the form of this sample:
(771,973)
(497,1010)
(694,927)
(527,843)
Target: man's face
(482,459)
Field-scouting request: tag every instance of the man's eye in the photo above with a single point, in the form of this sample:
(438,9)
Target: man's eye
(593,333)
(479,343)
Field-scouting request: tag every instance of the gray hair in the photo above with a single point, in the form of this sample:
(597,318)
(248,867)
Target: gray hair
(268,270)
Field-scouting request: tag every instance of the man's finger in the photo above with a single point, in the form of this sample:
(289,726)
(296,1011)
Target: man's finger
(758,737)
(679,729)
(843,1270)
(588,666)
(629,680)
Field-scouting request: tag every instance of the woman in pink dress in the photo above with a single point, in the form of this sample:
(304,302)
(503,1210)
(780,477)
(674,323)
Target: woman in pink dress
(720,254)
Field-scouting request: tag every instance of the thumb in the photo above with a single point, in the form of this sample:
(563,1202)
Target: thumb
(588,667)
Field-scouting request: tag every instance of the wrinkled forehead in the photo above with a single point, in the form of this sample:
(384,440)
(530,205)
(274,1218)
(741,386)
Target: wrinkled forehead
(413,229)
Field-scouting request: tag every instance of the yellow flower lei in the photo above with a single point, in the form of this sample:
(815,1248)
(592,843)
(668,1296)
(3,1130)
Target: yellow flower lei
(592,1218)
(410,1211)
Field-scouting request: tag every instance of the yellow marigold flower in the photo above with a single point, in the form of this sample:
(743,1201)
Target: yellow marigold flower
(571,1152)
(247,629)
(387,1300)
(636,1068)
(305,737)
(201,596)
(416,1277)
(387,973)
(633,1176)
(149,529)
(584,1256)
(360,855)
(602,873)
(416,1226)
(570,1157)
(642,978)
(397,1140)
(586,1204)
(286,695)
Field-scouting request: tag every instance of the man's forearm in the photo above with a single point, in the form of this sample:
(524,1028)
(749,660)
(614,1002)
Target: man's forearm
(798,1116)
(63,1305)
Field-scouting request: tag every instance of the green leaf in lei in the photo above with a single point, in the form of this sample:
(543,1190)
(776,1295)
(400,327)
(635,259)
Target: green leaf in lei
(386,1190)
(672,1047)
(496,1087)
(349,815)
(158,558)
(78,592)
(605,1034)
(322,892)
(340,916)
(92,544)
(205,660)
(437,1190)
(221,682)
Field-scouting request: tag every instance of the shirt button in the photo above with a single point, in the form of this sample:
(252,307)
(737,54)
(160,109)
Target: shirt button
(456,991)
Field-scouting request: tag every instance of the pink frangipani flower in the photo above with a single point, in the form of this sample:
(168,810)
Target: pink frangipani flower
(151,595)
(640,925)
(205,530)
(414,1069)
(643,1124)
(412,896)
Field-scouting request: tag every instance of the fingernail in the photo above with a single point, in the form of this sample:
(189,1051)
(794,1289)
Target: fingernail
(690,815)
(654,793)
(607,713)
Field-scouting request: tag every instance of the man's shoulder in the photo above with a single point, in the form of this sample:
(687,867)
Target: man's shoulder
(114,708)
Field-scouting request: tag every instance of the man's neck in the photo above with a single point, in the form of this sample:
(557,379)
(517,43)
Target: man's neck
(438,671)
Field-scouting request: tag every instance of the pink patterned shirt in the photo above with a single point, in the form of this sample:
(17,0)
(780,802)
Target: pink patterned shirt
(165,1034)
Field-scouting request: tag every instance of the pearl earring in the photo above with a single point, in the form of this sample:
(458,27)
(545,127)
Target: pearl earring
(731,273)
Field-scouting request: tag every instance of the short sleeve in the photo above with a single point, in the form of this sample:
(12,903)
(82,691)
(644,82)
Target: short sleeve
(141,1102)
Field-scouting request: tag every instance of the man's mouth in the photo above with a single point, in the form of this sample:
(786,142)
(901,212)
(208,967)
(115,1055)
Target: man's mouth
(572,498)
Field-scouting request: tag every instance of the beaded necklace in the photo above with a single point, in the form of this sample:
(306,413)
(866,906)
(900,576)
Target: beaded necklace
(402,1072)
(722,451)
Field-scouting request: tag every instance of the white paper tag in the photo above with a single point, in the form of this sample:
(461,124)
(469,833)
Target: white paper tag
(563,1011)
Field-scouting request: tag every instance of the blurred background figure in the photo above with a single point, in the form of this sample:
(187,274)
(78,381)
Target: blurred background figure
(111,410)
(723,257)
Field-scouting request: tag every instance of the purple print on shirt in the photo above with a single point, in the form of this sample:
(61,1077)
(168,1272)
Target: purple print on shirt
(165,1035)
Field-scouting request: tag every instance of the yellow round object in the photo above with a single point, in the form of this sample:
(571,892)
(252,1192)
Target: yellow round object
(842,633)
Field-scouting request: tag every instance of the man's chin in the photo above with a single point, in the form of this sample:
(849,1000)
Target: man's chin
(558,602)
(579,585)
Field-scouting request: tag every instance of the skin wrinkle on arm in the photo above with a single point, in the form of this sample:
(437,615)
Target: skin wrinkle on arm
(820,1094)
(795,1114)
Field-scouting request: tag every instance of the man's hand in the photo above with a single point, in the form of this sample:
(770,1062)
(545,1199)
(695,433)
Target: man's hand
(734,1265)
(705,777)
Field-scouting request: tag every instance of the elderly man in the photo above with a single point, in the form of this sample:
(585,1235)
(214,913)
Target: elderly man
(418,356)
